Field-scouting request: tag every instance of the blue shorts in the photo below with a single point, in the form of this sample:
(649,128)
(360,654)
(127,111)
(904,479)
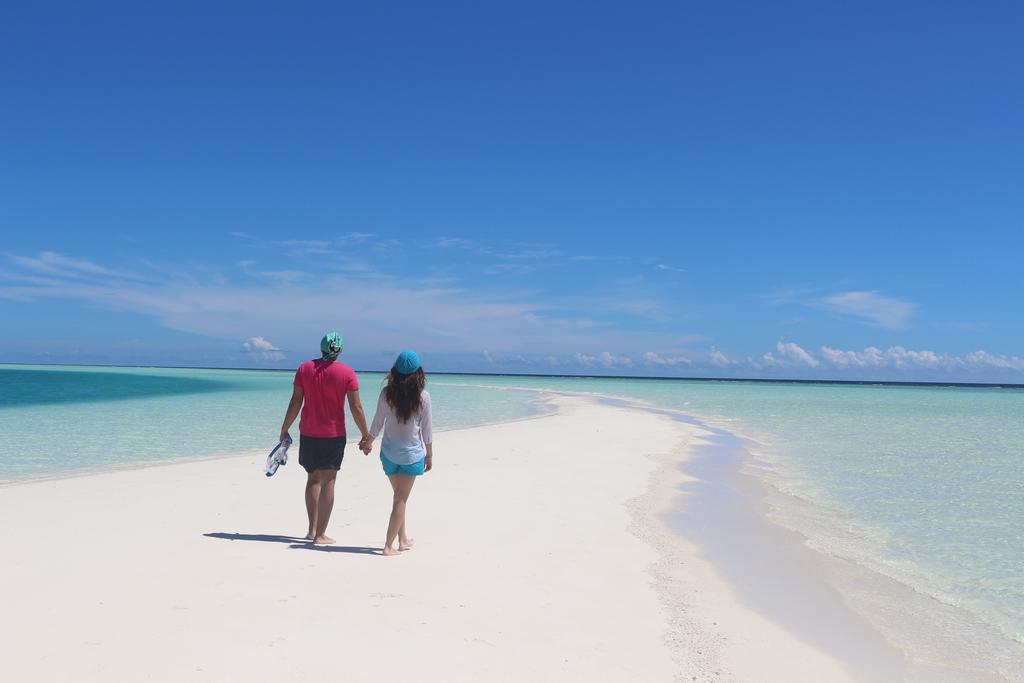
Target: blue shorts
(413,470)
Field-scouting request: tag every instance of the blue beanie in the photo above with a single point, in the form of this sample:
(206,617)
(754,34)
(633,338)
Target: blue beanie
(407,362)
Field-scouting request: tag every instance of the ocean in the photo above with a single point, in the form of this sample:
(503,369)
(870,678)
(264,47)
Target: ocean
(922,484)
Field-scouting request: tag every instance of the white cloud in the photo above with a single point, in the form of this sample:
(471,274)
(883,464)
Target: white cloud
(259,348)
(906,358)
(842,363)
(608,360)
(871,308)
(671,269)
(900,358)
(653,359)
(605,358)
(869,357)
(795,354)
(989,360)
(718,358)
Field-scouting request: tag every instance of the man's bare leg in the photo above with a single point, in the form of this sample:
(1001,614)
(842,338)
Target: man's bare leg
(325,506)
(312,500)
(402,486)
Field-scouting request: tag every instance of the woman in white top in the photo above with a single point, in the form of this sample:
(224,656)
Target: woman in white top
(406,452)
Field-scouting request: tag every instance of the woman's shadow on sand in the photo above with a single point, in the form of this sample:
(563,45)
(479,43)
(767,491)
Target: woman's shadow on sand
(294,542)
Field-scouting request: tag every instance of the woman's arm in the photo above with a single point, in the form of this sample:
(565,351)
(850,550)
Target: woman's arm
(427,431)
(379,415)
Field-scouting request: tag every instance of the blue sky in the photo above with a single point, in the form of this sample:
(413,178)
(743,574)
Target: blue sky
(793,189)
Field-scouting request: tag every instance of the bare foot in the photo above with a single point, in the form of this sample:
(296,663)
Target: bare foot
(310,536)
(389,551)
(323,539)
(406,544)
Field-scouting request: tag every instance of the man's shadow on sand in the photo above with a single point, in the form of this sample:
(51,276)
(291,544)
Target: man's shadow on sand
(295,542)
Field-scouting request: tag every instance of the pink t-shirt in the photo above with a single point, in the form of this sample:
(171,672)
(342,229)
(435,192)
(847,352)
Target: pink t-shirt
(324,386)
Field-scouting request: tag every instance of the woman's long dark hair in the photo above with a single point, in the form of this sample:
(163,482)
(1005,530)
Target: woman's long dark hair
(403,392)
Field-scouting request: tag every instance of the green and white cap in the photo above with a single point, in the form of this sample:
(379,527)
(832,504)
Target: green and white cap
(331,345)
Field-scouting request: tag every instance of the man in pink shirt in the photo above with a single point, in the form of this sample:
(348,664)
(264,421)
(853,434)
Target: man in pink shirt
(320,389)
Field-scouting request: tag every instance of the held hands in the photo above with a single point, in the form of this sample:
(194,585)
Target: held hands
(366,444)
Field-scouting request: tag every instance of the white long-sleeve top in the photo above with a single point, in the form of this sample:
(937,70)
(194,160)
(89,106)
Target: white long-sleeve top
(404,442)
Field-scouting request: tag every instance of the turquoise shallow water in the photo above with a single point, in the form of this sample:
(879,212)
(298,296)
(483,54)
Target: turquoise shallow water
(923,484)
(58,420)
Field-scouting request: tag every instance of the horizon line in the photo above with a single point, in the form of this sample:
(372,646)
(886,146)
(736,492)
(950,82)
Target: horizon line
(864,382)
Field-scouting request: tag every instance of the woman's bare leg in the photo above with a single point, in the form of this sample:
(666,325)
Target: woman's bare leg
(401,485)
(404,542)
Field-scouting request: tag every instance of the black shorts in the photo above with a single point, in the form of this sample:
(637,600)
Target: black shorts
(321,453)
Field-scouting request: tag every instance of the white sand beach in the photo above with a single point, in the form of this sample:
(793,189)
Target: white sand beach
(542,554)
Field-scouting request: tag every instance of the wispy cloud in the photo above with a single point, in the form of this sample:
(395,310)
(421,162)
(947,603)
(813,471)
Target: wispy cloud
(670,269)
(871,308)
(356,236)
(291,308)
(642,308)
(458,243)
(510,255)
(692,338)
(326,247)
(524,328)
(252,269)
(510,269)
(60,265)
(311,247)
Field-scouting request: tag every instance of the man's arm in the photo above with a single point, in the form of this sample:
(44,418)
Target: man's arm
(358,414)
(293,412)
